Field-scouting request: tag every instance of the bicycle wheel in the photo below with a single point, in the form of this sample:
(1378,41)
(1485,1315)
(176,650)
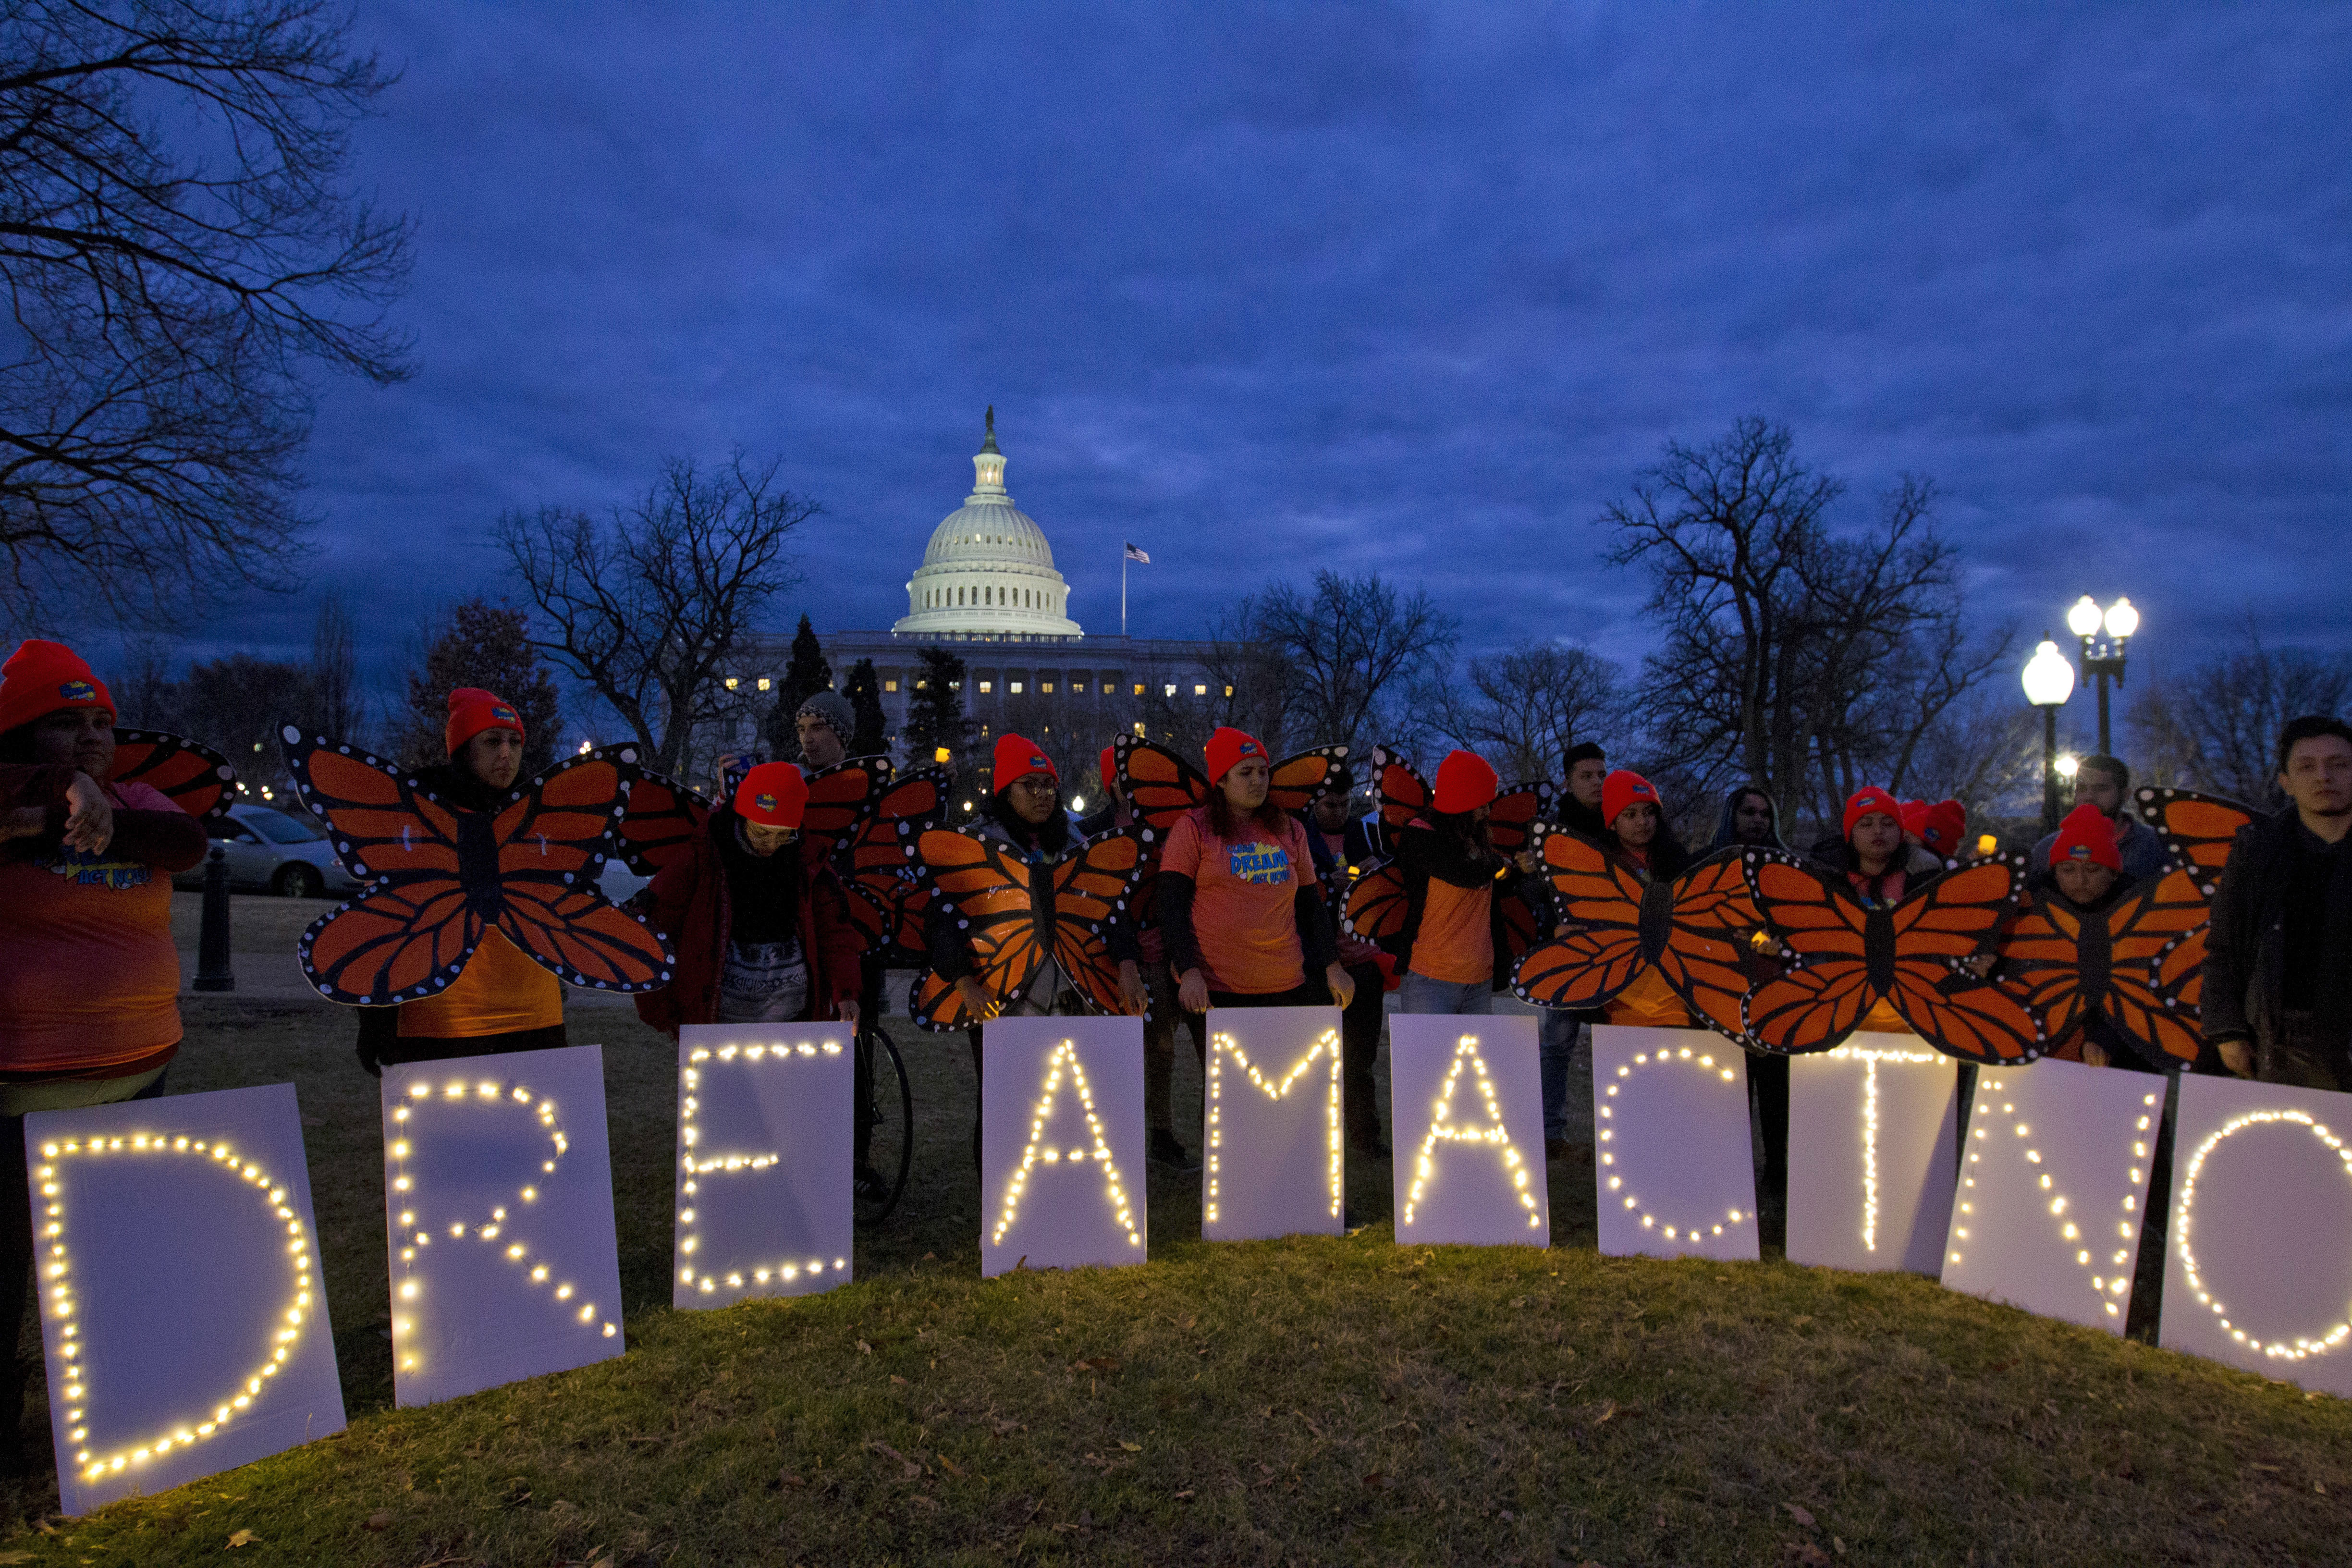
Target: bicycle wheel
(889,1117)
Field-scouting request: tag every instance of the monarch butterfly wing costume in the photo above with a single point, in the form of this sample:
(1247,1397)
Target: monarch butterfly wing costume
(838,799)
(1512,818)
(1091,891)
(1297,779)
(2197,829)
(1403,792)
(551,843)
(989,889)
(1375,908)
(1817,1002)
(437,877)
(660,823)
(190,774)
(2040,951)
(1159,787)
(2156,966)
(1710,956)
(1956,917)
(1598,903)
(888,897)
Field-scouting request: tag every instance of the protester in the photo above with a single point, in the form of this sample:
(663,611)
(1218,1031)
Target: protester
(2278,960)
(1871,852)
(1162,1145)
(504,1001)
(2105,782)
(1637,831)
(1240,904)
(1453,876)
(2084,871)
(824,724)
(89,978)
(1024,816)
(1750,819)
(1329,840)
(1938,827)
(1564,1036)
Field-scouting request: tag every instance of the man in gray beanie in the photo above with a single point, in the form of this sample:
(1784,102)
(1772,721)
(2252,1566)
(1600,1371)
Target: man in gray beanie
(824,724)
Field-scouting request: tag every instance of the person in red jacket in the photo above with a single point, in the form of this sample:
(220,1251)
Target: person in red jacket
(761,930)
(89,979)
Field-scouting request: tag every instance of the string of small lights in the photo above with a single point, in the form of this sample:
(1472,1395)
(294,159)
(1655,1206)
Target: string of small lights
(397,1149)
(1223,1045)
(691,1170)
(1870,1057)
(2302,1347)
(72,1373)
(1704,1062)
(2110,1289)
(1494,1135)
(1064,1059)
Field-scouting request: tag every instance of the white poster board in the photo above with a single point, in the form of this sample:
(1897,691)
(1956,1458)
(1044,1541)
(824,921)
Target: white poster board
(1675,1168)
(499,1217)
(2053,1188)
(1465,1107)
(1271,1160)
(764,1149)
(182,1314)
(2257,1262)
(1874,1152)
(1061,1143)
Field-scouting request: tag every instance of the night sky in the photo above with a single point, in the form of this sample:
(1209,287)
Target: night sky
(1415,291)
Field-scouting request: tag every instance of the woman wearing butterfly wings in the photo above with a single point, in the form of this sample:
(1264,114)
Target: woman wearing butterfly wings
(479,894)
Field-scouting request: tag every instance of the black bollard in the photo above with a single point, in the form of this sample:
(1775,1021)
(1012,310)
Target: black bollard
(213,972)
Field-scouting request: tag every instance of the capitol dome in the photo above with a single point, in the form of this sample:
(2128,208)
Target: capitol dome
(988,571)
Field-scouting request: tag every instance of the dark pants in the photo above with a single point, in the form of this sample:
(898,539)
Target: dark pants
(1767,1083)
(395,1050)
(1359,1047)
(2303,1057)
(16,1264)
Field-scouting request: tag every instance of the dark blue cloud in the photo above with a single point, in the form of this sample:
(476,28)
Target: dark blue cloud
(1412,288)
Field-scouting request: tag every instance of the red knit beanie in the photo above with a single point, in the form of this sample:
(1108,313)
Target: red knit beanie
(1946,823)
(772,795)
(473,711)
(1621,789)
(2085,834)
(1915,817)
(45,678)
(1110,766)
(1227,747)
(1016,758)
(1868,800)
(1464,781)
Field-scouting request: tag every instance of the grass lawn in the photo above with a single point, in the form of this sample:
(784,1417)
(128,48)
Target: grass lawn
(1310,1401)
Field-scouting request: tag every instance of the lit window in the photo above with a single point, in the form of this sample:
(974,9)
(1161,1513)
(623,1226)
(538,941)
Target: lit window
(1169,690)
(1229,691)
(1015,687)
(890,685)
(1047,687)
(986,686)
(1138,688)
(1201,689)
(732,682)
(765,683)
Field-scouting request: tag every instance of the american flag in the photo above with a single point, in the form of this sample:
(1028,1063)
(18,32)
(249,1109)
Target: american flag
(1135,554)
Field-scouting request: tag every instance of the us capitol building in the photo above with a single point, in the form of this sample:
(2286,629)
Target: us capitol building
(987,591)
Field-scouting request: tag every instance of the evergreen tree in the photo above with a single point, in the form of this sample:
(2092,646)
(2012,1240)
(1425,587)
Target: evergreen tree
(935,716)
(488,646)
(864,693)
(805,674)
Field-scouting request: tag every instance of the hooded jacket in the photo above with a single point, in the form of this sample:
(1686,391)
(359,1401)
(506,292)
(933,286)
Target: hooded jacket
(1726,832)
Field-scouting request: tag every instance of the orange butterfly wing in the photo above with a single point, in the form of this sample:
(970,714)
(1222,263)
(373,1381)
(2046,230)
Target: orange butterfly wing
(660,823)
(996,916)
(1817,1001)
(2156,963)
(1299,778)
(1405,794)
(1956,916)
(837,798)
(1090,890)
(1159,787)
(1600,903)
(1710,959)
(2196,829)
(553,843)
(196,779)
(1375,907)
(889,899)
(1511,820)
(2041,950)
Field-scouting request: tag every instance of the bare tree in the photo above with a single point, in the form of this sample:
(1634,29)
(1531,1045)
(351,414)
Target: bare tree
(476,643)
(337,707)
(1526,706)
(1346,654)
(2216,727)
(170,304)
(647,610)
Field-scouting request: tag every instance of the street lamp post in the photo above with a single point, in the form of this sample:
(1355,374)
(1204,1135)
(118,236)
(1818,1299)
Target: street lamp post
(2049,681)
(2103,657)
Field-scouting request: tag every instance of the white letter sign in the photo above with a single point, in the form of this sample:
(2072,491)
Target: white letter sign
(763,1161)
(498,1209)
(1675,1168)
(1465,1099)
(1873,1144)
(2054,1186)
(1272,1156)
(2258,1265)
(1061,1143)
(181,1311)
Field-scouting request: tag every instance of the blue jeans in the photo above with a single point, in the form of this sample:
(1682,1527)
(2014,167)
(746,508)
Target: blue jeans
(1562,1036)
(1420,994)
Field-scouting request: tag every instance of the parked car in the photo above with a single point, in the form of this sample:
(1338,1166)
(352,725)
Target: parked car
(275,852)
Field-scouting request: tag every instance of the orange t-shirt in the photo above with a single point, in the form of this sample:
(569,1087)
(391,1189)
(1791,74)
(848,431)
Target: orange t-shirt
(89,976)
(1243,909)
(500,991)
(1456,939)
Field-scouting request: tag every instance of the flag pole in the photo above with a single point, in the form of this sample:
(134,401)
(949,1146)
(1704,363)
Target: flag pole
(1122,594)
